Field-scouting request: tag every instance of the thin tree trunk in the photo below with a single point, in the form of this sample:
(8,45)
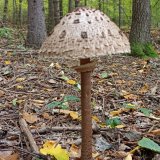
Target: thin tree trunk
(141,22)
(36,24)
(120,13)
(76,3)
(70,6)
(20,13)
(99,5)
(51,24)
(56,4)
(5,11)
(61,8)
(14,12)
(85,2)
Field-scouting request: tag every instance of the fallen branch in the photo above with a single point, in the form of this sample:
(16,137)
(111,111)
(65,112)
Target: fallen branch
(25,129)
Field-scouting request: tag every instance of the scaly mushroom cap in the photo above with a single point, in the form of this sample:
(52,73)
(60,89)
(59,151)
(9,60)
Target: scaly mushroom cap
(85,33)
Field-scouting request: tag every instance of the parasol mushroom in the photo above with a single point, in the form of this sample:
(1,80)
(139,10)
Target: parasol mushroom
(84,34)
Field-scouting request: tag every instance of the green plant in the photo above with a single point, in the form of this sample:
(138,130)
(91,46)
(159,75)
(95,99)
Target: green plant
(64,103)
(113,122)
(143,50)
(6,33)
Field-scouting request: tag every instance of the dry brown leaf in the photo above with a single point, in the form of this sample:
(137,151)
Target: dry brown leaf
(120,154)
(1,93)
(29,117)
(128,95)
(47,116)
(155,132)
(4,154)
(74,151)
(144,89)
(38,101)
(116,113)
(14,156)
(128,157)
(120,81)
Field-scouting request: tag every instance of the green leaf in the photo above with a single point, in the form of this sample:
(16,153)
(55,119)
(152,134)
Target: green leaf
(14,102)
(78,86)
(149,144)
(145,111)
(104,75)
(65,78)
(129,106)
(71,98)
(113,122)
(54,104)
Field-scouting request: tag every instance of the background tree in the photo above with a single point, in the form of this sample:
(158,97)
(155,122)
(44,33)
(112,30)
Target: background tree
(20,13)
(50,16)
(141,22)
(70,5)
(56,4)
(36,24)
(5,11)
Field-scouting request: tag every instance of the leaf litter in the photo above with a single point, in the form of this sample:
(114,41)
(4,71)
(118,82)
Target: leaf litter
(126,91)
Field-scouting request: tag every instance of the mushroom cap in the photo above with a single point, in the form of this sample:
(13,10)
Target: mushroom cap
(85,33)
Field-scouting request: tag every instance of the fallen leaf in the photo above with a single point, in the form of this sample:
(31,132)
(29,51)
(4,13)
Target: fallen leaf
(7,62)
(155,132)
(19,87)
(141,71)
(20,79)
(57,66)
(4,154)
(1,93)
(144,89)
(47,116)
(72,82)
(120,81)
(96,118)
(74,151)
(113,74)
(55,150)
(128,95)
(129,157)
(29,117)
(120,154)
(120,126)
(116,113)
(74,115)
(14,156)
(38,101)
(154,89)
(52,81)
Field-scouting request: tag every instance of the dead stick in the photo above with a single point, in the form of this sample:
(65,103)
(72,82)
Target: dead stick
(25,129)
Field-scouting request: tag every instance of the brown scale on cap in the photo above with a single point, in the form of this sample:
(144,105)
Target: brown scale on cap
(83,25)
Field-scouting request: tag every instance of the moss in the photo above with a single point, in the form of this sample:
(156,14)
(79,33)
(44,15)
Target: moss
(143,50)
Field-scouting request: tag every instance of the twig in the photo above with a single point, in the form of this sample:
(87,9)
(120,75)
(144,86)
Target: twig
(25,129)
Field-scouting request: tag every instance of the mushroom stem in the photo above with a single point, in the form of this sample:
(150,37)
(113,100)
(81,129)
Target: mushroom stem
(86,151)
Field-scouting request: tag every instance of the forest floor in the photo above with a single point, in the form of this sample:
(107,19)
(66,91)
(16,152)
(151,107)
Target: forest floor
(44,94)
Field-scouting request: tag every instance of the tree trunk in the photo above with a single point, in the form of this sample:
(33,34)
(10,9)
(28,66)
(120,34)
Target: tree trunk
(5,11)
(70,6)
(99,5)
(14,12)
(141,22)
(36,24)
(120,12)
(20,13)
(61,8)
(50,25)
(85,2)
(56,4)
(76,3)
